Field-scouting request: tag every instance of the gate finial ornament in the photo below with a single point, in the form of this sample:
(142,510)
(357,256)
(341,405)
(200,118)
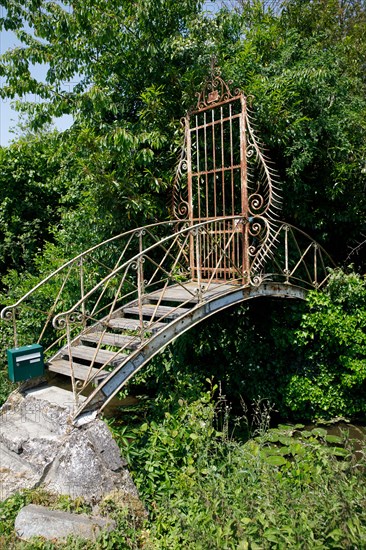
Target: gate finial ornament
(215,89)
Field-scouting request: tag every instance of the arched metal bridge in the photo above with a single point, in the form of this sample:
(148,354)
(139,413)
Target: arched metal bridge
(104,314)
(114,307)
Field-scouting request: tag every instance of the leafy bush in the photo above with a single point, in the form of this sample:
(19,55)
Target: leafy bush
(332,337)
(309,358)
(206,490)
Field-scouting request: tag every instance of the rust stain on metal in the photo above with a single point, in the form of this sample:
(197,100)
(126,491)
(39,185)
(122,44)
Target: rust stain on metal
(213,96)
(223,172)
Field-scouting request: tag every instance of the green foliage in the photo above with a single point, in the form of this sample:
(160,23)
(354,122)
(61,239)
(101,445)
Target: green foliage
(137,72)
(128,61)
(29,198)
(137,69)
(185,433)
(9,511)
(332,379)
(304,68)
(309,359)
(237,346)
(113,168)
(206,490)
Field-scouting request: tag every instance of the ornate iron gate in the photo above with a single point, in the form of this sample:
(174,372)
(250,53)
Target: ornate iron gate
(223,173)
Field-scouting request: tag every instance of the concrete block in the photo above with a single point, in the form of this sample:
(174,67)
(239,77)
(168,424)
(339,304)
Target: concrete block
(38,521)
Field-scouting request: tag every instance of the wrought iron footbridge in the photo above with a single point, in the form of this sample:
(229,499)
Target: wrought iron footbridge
(112,308)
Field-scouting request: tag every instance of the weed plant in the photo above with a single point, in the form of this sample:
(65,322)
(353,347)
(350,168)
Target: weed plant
(204,489)
(283,488)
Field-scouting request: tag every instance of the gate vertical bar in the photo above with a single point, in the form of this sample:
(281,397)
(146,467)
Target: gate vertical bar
(190,195)
(244,192)
(198,170)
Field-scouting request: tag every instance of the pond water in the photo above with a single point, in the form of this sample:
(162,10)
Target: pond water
(355,432)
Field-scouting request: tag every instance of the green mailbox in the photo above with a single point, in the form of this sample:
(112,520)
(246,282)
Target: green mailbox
(26,362)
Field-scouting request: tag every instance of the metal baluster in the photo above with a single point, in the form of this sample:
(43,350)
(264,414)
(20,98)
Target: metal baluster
(73,381)
(15,333)
(82,290)
(286,271)
(214,175)
(232,162)
(198,171)
(197,234)
(140,283)
(206,168)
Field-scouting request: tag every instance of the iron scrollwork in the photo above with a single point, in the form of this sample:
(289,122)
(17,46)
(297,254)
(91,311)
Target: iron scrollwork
(215,90)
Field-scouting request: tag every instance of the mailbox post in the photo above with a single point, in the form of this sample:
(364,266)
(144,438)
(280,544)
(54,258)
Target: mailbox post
(25,362)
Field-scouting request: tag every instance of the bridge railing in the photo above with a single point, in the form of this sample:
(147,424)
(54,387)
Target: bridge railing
(32,314)
(159,265)
(291,256)
(93,287)
(153,268)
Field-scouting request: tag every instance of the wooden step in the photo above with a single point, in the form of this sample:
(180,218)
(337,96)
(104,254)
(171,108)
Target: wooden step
(174,294)
(81,372)
(111,339)
(88,354)
(162,311)
(124,323)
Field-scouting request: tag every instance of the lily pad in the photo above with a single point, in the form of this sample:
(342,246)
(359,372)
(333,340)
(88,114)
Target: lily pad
(334,439)
(319,432)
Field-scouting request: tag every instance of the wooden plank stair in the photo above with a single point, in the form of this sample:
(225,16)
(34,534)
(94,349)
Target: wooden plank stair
(89,353)
(90,346)
(175,294)
(150,311)
(124,323)
(111,339)
(61,366)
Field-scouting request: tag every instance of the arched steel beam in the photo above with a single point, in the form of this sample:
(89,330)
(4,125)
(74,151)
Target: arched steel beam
(124,372)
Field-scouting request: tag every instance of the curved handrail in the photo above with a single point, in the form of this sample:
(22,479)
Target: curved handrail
(190,228)
(4,314)
(5,311)
(284,225)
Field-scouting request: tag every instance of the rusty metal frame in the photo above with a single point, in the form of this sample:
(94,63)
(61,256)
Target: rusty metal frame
(152,264)
(224,172)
